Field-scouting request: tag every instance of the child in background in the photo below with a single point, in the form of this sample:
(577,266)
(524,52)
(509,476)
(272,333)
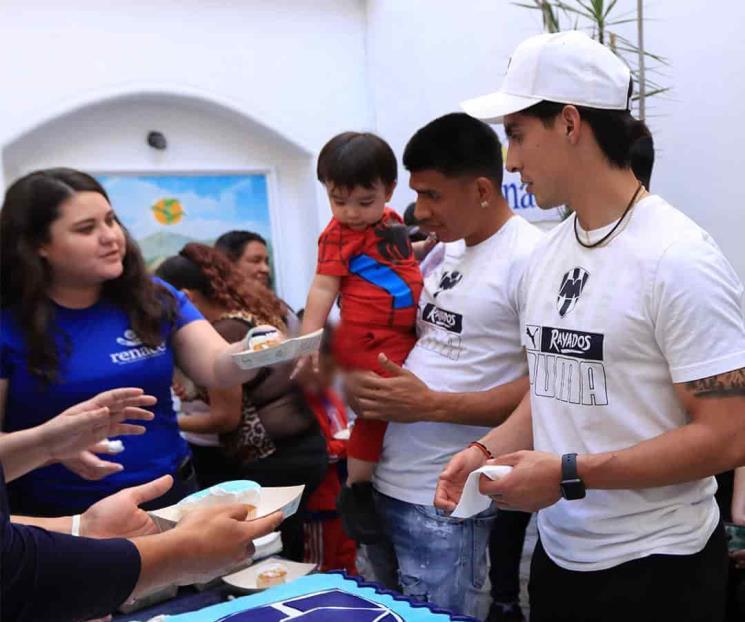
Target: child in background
(326,544)
(364,258)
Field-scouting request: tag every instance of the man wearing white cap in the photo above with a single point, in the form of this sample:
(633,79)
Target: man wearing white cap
(632,320)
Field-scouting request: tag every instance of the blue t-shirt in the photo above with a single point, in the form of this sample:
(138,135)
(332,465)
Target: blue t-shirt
(105,354)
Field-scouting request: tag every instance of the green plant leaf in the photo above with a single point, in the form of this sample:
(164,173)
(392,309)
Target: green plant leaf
(611,4)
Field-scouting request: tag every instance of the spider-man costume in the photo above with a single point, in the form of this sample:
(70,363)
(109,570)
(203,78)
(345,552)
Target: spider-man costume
(379,292)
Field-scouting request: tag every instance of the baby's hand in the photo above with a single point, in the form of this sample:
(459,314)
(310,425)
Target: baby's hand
(421,249)
(305,365)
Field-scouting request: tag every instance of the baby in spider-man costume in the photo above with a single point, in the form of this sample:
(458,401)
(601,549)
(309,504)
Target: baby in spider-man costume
(365,258)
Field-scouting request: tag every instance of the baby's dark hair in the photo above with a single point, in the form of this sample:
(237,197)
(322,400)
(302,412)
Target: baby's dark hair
(355,159)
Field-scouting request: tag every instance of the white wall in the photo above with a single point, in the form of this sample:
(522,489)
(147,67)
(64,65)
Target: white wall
(699,129)
(425,56)
(296,65)
(110,138)
(306,69)
(293,69)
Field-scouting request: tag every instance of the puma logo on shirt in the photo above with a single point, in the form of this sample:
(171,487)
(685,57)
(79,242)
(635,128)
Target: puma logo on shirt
(567,365)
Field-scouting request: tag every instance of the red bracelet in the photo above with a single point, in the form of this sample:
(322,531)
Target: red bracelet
(481,447)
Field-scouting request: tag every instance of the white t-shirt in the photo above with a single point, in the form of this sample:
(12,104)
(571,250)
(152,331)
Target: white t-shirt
(469,340)
(608,330)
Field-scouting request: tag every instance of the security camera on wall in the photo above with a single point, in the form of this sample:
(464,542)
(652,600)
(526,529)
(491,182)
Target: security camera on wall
(157,140)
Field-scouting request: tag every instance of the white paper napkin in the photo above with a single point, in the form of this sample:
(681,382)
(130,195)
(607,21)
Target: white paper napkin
(472,501)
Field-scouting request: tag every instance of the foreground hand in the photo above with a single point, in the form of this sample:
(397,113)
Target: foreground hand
(88,465)
(219,538)
(306,367)
(85,424)
(119,515)
(421,249)
(401,397)
(453,478)
(532,485)
(180,391)
(125,403)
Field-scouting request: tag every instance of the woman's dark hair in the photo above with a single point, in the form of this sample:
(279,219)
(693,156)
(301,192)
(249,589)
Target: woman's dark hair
(615,130)
(454,145)
(357,159)
(233,243)
(31,205)
(205,269)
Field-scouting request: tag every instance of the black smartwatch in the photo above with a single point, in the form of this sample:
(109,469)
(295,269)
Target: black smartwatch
(572,487)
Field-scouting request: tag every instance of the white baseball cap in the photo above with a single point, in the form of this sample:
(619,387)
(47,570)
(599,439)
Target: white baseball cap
(565,67)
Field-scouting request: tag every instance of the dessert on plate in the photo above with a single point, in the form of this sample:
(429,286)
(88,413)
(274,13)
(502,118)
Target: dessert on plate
(273,574)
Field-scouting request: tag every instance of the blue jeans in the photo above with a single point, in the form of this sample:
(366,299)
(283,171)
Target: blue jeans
(433,558)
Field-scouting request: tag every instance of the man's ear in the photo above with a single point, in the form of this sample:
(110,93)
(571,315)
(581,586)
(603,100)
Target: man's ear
(389,191)
(570,121)
(486,189)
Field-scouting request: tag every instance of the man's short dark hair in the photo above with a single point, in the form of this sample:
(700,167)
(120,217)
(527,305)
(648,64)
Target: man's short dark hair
(615,130)
(354,159)
(642,159)
(455,145)
(233,243)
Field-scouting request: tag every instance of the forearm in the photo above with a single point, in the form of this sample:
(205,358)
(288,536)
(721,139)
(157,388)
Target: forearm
(738,497)
(207,423)
(321,297)
(515,434)
(62,524)
(21,452)
(206,358)
(691,452)
(226,372)
(162,558)
(486,408)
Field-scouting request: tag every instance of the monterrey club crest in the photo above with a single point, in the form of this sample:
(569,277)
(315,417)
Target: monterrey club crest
(448,281)
(572,284)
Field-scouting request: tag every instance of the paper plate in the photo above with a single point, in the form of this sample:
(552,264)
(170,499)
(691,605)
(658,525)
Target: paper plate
(246,579)
(267,545)
(285,498)
(285,351)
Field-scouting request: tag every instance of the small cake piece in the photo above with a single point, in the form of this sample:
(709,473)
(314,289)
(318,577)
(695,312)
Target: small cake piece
(263,337)
(264,344)
(273,574)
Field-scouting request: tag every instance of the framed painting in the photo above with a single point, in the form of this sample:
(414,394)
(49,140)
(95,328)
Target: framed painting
(163,212)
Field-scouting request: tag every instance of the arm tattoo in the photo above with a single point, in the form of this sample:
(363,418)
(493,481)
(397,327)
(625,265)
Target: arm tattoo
(728,384)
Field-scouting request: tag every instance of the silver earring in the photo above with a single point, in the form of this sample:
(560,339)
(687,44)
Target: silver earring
(484,204)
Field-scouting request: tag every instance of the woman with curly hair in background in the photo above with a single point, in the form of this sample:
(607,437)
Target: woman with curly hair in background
(262,430)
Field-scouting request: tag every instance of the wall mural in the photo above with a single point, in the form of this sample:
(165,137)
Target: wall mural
(164,212)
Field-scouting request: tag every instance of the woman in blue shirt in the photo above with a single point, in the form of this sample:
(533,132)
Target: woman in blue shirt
(81,315)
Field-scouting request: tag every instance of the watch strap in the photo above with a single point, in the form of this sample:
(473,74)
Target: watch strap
(569,467)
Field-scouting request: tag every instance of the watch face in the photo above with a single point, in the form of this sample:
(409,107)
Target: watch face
(573,489)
